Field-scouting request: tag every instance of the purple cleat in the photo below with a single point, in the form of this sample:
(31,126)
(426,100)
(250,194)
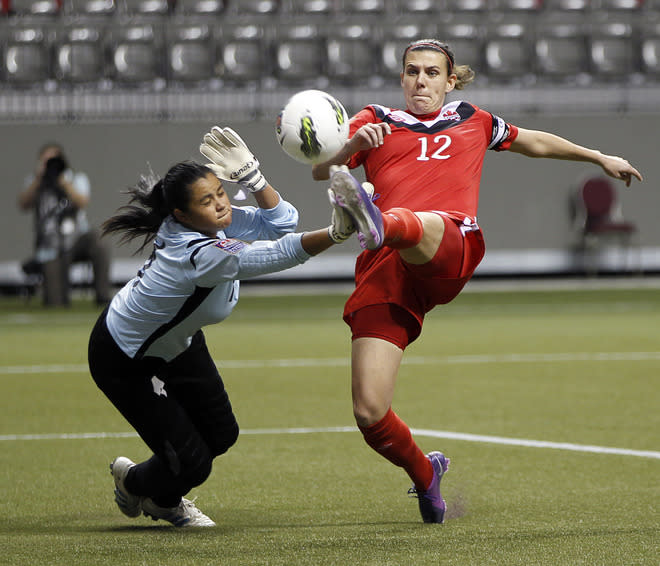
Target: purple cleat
(431,504)
(347,193)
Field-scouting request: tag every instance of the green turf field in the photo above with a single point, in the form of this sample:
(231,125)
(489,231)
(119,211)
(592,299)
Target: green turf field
(548,405)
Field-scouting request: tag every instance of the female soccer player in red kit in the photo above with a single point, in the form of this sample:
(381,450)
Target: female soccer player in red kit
(421,235)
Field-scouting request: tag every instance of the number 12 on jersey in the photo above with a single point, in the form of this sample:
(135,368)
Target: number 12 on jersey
(441,143)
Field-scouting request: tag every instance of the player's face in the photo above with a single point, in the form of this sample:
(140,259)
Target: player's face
(425,81)
(209,208)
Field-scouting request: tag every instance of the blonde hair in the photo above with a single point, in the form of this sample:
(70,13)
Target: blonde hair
(464,73)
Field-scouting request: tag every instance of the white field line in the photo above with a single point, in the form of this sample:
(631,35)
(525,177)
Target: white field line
(411,360)
(466,437)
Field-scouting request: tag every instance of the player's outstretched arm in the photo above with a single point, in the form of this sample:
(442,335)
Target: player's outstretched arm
(535,143)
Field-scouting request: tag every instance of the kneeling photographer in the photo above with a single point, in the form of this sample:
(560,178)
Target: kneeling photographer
(58,196)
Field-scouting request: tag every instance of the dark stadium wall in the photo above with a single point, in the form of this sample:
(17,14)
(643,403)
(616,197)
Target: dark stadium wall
(524,202)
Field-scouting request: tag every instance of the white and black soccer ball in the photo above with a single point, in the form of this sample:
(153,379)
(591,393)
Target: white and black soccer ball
(312,127)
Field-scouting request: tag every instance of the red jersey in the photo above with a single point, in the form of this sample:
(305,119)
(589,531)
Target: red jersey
(431,162)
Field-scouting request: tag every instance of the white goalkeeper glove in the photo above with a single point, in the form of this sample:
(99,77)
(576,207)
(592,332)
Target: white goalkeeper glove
(342,225)
(231,159)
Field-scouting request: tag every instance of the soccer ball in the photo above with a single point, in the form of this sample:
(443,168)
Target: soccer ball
(312,127)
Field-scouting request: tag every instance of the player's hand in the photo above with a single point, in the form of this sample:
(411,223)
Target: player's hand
(619,168)
(369,136)
(231,159)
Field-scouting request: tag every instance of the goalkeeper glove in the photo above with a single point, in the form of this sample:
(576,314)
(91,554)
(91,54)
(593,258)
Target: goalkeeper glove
(231,159)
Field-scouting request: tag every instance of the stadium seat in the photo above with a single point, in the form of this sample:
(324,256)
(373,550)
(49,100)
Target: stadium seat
(300,55)
(613,5)
(567,5)
(518,5)
(79,56)
(199,7)
(26,58)
(351,55)
(34,7)
(507,50)
(560,51)
(309,7)
(420,7)
(393,39)
(650,51)
(89,8)
(363,7)
(154,8)
(243,54)
(136,54)
(466,39)
(253,7)
(191,53)
(600,219)
(467,5)
(612,50)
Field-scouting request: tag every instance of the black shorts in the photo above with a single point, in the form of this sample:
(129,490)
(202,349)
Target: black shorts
(179,408)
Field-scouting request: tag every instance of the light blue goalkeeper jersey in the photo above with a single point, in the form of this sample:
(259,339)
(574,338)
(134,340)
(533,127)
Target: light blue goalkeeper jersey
(191,280)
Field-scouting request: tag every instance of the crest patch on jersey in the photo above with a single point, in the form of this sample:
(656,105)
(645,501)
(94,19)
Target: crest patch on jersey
(230,246)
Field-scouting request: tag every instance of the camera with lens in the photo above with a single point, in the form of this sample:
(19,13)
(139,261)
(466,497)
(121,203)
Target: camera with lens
(55,166)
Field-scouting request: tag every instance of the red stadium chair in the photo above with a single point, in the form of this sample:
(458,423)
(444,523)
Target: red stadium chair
(600,219)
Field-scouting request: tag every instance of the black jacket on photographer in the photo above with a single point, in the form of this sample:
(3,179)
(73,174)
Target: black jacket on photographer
(58,222)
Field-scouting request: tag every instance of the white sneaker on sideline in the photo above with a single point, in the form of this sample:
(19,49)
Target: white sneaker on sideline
(186,514)
(129,504)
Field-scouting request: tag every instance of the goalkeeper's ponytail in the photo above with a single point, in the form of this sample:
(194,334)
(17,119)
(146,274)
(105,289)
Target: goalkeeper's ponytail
(155,199)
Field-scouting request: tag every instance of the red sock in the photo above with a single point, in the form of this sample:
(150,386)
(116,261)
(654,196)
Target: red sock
(391,438)
(402,227)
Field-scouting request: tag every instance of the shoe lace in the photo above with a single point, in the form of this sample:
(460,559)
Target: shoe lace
(189,505)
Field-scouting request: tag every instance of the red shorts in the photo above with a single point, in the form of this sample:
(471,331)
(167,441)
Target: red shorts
(382,277)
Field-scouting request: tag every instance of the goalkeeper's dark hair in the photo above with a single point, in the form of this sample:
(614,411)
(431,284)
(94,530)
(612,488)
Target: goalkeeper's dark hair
(464,73)
(152,200)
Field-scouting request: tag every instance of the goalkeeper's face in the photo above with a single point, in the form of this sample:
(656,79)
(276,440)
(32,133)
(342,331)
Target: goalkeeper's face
(426,81)
(209,207)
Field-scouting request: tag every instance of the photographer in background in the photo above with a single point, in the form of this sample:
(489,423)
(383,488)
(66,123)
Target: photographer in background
(58,195)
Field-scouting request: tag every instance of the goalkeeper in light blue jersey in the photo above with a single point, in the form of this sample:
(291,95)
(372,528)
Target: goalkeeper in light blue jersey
(147,352)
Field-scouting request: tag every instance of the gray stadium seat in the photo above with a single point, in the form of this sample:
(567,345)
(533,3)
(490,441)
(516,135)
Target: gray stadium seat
(420,7)
(243,54)
(34,7)
(26,58)
(79,56)
(363,7)
(567,5)
(612,50)
(309,7)
(351,54)
(465,37)
(393,40)
(90,8)
(191,54)
(255,6)
(136,54)
(650,51)
(199,7)
(154,8)
(507,50)
(518,5)
(560,50)
(467,5)
(300,55)
(620,5)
